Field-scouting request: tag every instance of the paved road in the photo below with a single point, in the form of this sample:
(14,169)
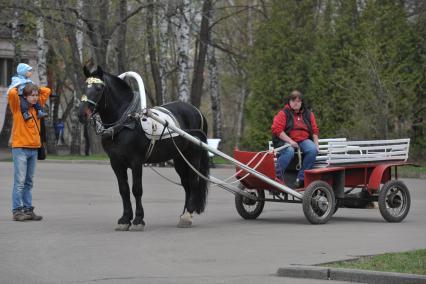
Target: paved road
(76,243)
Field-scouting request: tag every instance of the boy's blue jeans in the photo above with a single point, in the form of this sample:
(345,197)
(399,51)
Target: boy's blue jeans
(286,155)
(24,161)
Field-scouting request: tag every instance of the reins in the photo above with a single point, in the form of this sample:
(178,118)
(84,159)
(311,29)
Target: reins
(109,129)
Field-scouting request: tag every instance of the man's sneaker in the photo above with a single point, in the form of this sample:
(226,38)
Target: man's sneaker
(298,183)
(26,116)
(31,215)
(41,114)
(19,215)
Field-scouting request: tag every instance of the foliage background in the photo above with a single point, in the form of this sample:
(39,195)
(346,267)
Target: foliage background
(360,64)
(361,67)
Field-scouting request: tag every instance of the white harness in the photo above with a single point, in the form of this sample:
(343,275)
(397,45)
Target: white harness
(155,130)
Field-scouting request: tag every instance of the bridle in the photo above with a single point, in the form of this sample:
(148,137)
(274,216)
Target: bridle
(90,81)
(109,129)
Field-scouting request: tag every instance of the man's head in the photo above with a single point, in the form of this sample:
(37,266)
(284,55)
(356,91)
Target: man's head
(30,92)
(24,70)
(295,100)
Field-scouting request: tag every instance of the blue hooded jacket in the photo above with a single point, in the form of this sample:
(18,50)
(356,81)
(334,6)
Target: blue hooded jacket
(20,80)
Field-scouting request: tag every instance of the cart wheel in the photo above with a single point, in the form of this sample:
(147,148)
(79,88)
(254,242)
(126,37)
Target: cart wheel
(336,207)
(248,208)
(394,201)
(319,202)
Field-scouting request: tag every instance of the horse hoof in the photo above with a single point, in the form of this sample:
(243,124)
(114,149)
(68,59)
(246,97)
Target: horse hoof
(122,227)
(184,224)
(137,228)
(185,221)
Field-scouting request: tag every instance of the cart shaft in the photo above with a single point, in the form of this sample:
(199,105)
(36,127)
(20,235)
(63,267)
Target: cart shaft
(205,146)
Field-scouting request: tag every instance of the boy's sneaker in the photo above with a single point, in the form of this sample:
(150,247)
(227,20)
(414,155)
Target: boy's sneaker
(26,116)
(31,215)
(41,114)
(19,215)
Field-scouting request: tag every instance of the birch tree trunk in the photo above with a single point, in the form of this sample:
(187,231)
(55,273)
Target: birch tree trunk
(42,75)
(79,31)
(73,68)
(214,93)
(16,41)
(183,51)
(41,52)
(163,23)
(214,86)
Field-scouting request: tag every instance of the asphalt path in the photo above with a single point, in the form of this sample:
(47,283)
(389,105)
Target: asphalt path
(76,241)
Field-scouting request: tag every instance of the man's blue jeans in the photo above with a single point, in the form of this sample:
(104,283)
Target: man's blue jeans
(286,155)
(24,161)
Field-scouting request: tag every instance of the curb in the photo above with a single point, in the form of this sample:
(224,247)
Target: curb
(350,275)
(103,162)
(97,162)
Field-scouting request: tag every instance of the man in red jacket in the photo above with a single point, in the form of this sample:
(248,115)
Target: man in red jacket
(295,125)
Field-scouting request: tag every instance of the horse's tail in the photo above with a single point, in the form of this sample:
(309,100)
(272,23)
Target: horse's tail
(200,194)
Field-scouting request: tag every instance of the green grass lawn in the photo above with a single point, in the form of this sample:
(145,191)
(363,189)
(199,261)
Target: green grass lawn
(94,157)
(404,262)
(412,171)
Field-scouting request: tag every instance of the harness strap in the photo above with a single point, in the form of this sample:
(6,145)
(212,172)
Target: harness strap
(118,125)
(299,157)
(153,140)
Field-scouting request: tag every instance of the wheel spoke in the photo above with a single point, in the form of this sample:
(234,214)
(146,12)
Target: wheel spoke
(394,201)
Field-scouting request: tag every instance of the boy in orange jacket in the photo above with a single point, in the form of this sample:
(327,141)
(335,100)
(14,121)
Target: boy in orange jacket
(25,142)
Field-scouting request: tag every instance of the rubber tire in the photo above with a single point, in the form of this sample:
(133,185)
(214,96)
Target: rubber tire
(312,217)
(250,215)
(336,207)
(382,201)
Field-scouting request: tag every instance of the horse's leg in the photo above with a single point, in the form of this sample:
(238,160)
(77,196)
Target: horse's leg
(185,220)
(138,223)
(193,180)
(197,180)
(123,185)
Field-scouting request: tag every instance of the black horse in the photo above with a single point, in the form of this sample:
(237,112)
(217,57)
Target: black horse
(112,100)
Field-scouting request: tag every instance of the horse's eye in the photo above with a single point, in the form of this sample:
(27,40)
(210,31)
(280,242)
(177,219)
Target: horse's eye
(98,87)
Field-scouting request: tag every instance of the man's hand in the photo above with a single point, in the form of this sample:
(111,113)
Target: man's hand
(294,144)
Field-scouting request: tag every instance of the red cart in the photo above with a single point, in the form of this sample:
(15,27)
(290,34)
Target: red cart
(342,167)
(351,174)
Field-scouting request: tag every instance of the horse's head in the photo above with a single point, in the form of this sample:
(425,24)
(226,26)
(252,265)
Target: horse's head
(94,92)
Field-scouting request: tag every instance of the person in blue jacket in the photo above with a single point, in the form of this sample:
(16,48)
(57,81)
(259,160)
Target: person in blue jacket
(24,72)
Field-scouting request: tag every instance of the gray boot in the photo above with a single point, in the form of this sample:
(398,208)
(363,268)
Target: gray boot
(31,215)
(19,215)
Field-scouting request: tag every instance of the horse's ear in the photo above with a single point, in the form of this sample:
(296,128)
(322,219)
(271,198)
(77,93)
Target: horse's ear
(100,72)
(86,71)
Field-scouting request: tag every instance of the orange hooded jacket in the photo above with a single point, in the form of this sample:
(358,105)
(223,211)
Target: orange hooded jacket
(25,134)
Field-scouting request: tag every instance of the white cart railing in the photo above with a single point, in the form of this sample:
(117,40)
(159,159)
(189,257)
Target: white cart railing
(335,151)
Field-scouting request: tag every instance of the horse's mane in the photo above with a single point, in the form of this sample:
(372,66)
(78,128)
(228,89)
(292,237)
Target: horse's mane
(117,83)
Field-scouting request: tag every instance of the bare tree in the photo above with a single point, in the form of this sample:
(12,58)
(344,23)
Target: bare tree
(16,41)
(121,38)
(183,51)
(79,30)
(214,87)
(200,58)
(164,12)
(42,75)
(153,53)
